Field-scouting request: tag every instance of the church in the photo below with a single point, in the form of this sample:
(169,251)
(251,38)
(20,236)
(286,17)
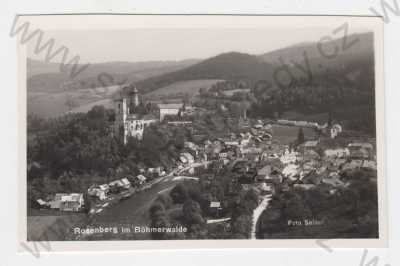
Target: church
(129,120)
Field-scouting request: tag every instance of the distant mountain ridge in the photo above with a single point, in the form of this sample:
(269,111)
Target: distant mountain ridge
(44,76)
(353,61)
(238,66)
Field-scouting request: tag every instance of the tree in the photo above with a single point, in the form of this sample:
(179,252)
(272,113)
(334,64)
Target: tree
(70,102)
(179,193)
(192,213)
(241,226)
(156,210)
(330,119)
(165,200)
(159,219)
(300,136)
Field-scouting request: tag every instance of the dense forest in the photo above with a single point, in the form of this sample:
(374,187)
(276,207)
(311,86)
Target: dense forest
(351,212)
(69,153)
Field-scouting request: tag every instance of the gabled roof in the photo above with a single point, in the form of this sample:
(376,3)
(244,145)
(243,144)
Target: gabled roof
(72,197)
(125,181)
(104,187)
(311,143)
(215,204)
(266,170)
(170,105)
(141,177)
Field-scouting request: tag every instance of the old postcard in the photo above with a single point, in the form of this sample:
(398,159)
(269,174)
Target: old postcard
(197,131)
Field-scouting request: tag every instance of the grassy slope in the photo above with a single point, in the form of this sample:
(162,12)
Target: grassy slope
(191,87)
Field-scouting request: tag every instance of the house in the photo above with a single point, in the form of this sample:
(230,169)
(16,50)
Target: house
(310,155)
(369,164)
(289,157)
(72,202)
(304,186)
(96,191)
(231,143)
(215,208)
(125,183)
(224,161)
(333,180)
(258,125)
(291,171)
(105,187)
(215,204)
(191,146)
(67,202)
(358,145)
(310,144)
(141,179)
(186,158)
(158,171)
(251,150)
(266,188)
(43,204)
(116,183)
(361,153)
(312,178)
(245,140)
(263,174)
(337,153)
(335,130)
(169,109)
(223,155)
(361,150)
(56,202)
(354,164)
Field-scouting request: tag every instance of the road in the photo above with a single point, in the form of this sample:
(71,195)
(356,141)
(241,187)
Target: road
(257,213)
(134,210)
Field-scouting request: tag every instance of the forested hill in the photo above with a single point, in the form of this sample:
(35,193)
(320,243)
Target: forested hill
(227,66)
(354,45)
(353,54)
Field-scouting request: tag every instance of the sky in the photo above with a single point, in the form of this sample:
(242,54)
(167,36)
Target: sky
(134,45)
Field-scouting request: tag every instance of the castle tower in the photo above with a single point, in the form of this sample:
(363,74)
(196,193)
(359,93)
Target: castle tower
(133,99)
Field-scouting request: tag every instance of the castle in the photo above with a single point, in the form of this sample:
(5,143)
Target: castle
(129,122)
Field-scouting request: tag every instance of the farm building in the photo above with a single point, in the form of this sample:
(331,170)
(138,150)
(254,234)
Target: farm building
(67,202)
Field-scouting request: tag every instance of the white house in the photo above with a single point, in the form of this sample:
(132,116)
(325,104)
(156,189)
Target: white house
(141,179)
(289,157)
(169,109)
(337,153)
(186,158)
(96,191)
(67,202)
(291,171)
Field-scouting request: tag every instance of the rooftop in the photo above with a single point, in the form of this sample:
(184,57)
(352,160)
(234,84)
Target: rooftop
(170,105)
(311,143)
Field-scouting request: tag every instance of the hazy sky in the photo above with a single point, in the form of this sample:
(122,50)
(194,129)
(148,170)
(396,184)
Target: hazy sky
(174,44)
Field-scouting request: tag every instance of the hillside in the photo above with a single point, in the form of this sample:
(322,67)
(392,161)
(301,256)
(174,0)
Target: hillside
(346,50)
(228,66)
(352,55)
(189,88)
(355,59)
(51,93)
(47,76)
(352,68)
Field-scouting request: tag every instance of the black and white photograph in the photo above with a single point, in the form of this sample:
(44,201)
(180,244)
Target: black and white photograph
(202,128)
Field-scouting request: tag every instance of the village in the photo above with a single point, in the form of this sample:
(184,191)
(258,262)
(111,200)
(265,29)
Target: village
(256,157)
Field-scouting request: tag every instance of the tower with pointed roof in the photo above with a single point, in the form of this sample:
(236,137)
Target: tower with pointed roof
(129,123)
